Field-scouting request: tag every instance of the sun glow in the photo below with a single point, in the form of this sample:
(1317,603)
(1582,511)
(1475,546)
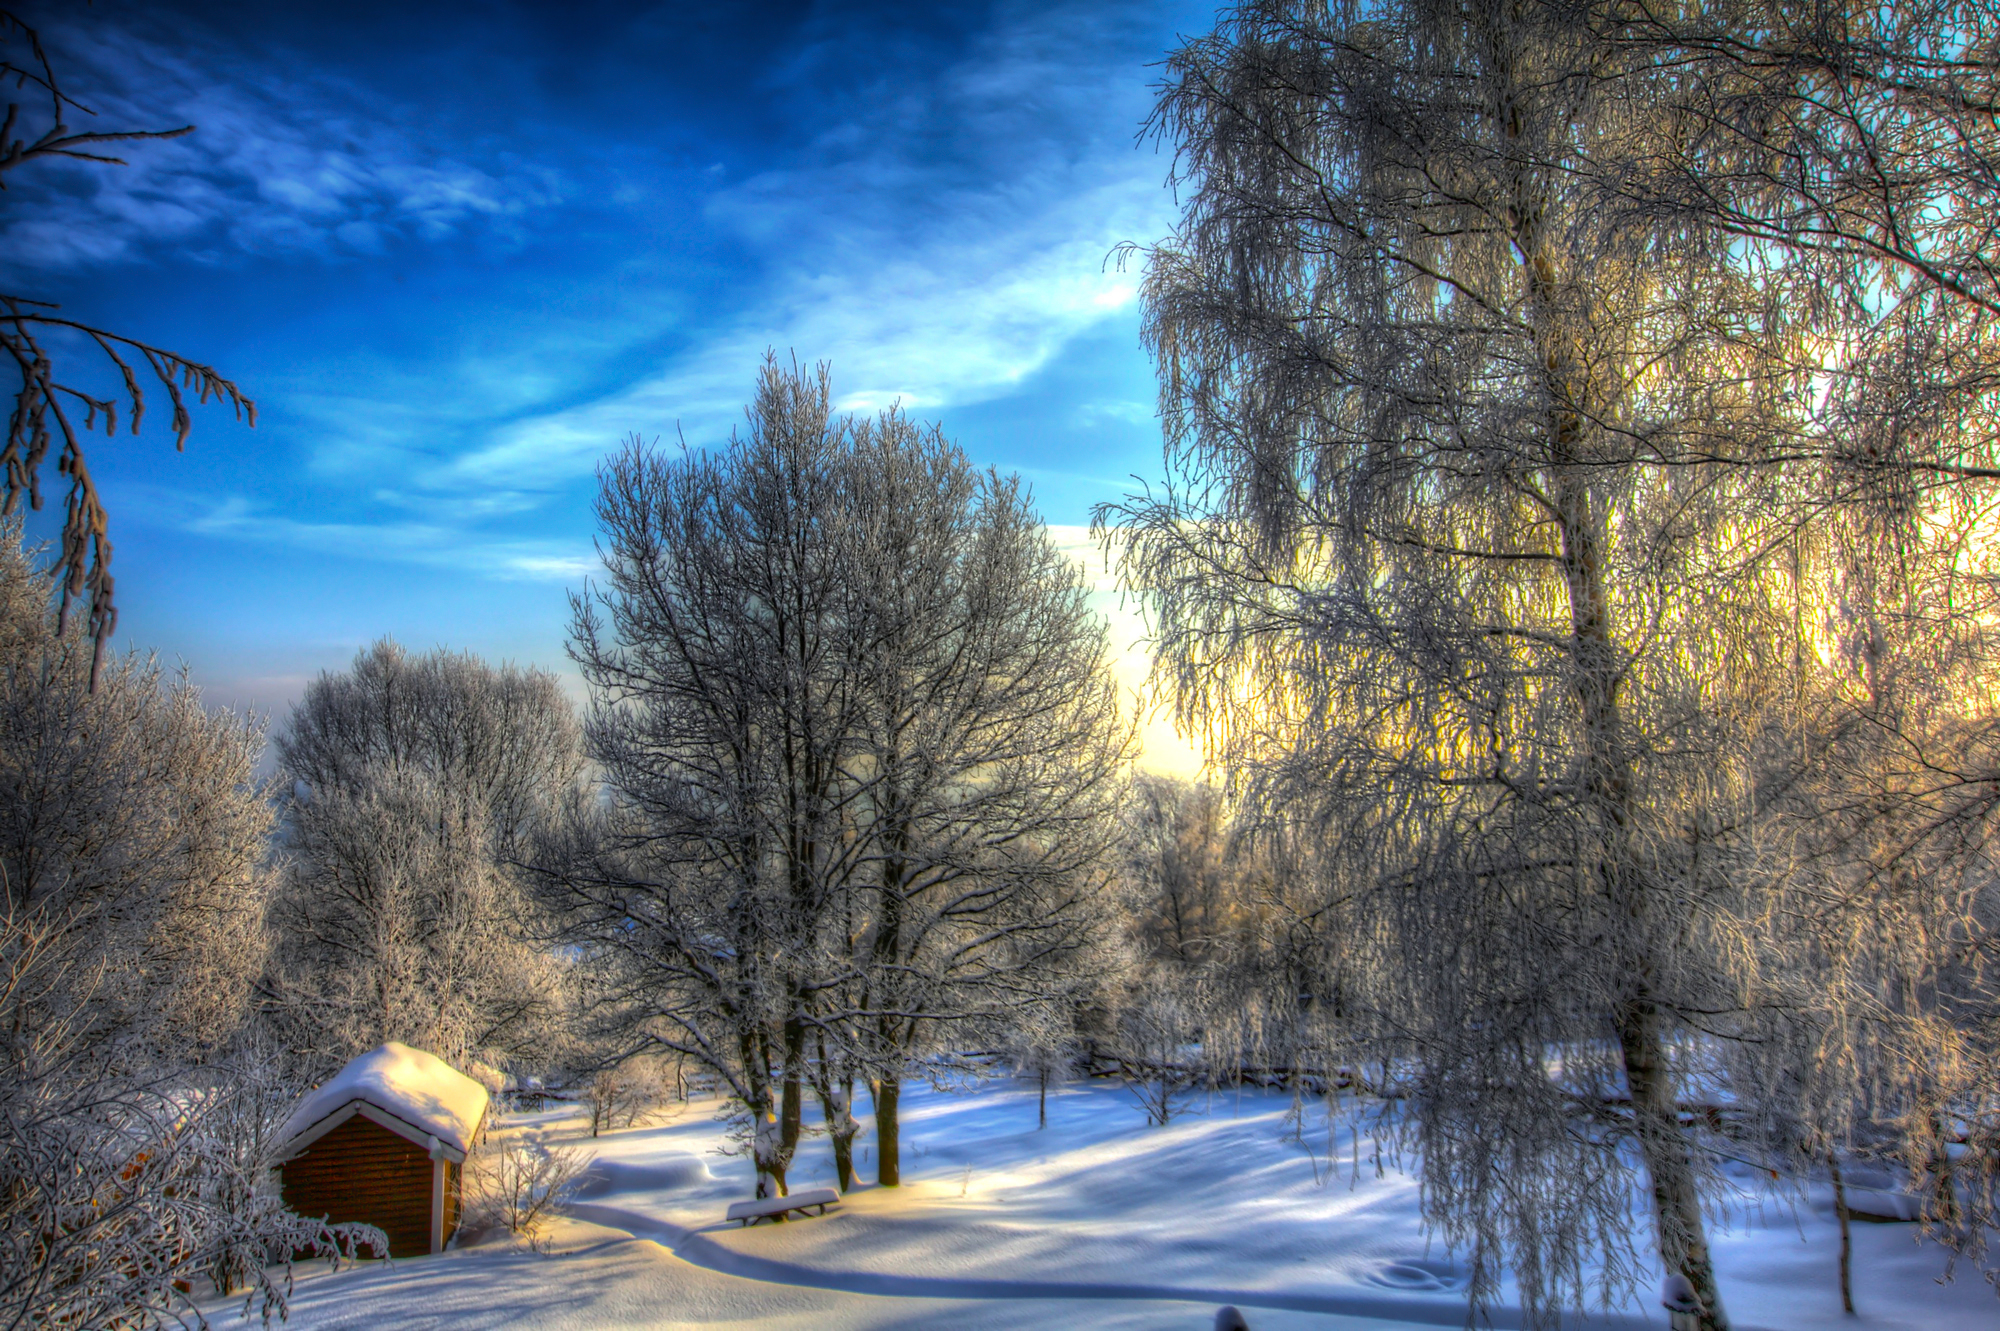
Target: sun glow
(1162,747)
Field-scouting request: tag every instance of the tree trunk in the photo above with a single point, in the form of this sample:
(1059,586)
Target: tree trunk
(1942,1203)
(835,1089)
(888,951)
(1043,1106)
(791,1098)
(1846,1241)
(765,1152)
(1676,1202)
(888,1140)
(835,1096)
(1597,672)
(843,1155)
(1595,660)
(766,1149)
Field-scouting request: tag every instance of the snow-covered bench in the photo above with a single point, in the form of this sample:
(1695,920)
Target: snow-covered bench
(769,1208)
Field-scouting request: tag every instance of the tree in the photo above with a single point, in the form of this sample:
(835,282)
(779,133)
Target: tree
(1539,431)
(852,714)
(698,889)
(1238,945)
(1177,868)
(986,758)
(415,784)
(135,1130)
(84,559)
(130,819)
(1877,840)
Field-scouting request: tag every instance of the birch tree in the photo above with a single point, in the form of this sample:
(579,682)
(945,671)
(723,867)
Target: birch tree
(1538,430)
(48,410)
(1857,150)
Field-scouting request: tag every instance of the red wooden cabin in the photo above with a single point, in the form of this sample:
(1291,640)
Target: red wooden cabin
(385,1143)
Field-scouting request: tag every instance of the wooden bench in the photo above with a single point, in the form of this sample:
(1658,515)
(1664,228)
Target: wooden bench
(773,1208)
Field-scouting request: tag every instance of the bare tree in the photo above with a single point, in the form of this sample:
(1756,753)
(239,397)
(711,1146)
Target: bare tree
(129,817)
(44,406)
(985,760)
(1177,868)
(1518,501)
(853,715)
(1159,1042)
(623,1096)
(1851,159)
(1043,1045)
(1881,1040)
(503,740)
(717,665)
(415,781)
(1238,956)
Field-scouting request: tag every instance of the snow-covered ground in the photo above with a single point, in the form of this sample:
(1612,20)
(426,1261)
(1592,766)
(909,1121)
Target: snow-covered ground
(1099,1221)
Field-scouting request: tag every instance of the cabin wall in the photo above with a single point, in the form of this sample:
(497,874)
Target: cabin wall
(454,1205)
(362,1171)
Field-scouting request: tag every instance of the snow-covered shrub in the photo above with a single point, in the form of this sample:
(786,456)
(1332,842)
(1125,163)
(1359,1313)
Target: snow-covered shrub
(121,1203)
(520,1183)
(623,1097)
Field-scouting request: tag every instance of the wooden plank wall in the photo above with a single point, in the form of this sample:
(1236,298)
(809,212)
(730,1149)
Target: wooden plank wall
(454,1199)
(363,1171)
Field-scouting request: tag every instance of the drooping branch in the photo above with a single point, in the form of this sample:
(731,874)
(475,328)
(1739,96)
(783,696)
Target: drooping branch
(43,403)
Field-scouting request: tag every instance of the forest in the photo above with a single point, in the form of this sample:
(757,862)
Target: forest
(1574,545)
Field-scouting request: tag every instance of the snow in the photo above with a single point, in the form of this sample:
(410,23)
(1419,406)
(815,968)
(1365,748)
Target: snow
(1098,1222)
(418,1088)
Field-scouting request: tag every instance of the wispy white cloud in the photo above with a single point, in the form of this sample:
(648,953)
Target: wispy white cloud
(934,277)
(942,238)
(434,544)
(282,160)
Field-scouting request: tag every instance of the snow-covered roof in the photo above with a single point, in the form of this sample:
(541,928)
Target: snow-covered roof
(408,1091)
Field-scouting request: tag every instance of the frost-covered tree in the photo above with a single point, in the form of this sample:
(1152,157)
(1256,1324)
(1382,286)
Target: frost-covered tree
(853,718)
(1555,395)
(699,888)
(503,741)
(1237,945)
(414,783)
(129,818)
(1876,938)
(986,757)
(133,835)
(1181,880)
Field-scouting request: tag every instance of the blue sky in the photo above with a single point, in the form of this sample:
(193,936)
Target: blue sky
(457,252)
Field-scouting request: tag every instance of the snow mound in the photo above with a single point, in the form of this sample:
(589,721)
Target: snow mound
(606,1177)
(1880,1204)
(418,1088)
(1419,1274)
